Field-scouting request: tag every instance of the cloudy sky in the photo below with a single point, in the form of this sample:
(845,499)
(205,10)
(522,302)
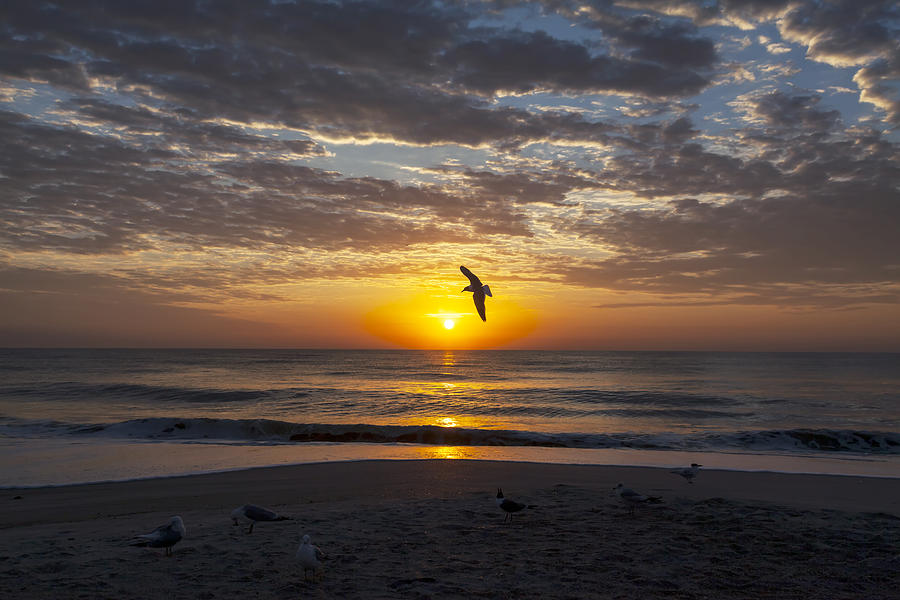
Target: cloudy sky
(625,174)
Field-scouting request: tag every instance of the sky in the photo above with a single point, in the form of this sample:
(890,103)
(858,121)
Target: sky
(624,174)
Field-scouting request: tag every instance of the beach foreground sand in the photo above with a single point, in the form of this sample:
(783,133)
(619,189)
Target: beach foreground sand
(431,529)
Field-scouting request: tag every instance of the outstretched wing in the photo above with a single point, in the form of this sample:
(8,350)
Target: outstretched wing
(479,304)
(476,283)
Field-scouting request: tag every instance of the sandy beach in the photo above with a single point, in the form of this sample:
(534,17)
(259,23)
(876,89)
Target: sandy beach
(431,529)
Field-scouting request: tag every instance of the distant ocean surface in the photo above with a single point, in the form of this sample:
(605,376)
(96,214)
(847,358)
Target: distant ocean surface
(69,416)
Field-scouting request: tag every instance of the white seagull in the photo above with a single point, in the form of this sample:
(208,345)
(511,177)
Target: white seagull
(309,557)
(164,536)
(509,506)
(632,498)
(478,290)
(688,473)
(252,513)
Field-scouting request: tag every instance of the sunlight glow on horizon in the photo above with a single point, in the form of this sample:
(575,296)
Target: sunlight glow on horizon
(441,321)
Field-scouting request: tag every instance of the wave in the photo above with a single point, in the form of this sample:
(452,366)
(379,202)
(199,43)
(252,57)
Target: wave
(335,402)
(283,432)
(148,393)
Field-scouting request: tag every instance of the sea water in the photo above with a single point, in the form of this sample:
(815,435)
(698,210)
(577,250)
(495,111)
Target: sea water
(70,416)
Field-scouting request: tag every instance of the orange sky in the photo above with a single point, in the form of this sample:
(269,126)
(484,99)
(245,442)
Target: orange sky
(355,314)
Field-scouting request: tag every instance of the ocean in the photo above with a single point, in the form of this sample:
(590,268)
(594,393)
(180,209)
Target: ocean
(74,416)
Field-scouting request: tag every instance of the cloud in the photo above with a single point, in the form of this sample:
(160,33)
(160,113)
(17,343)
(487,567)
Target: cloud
(840,33)
(317,66)
(210,135)
(743,14)
(536,62)
(814,207)
(843,33)
(874,80)
(88,193)
(795,112)
(846,34)
(141,126)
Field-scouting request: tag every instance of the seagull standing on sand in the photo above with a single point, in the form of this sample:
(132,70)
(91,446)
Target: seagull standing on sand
(478,290)
(253,513)
(688,473)
(164,536)
(309,557)
(632,498)
(509,506)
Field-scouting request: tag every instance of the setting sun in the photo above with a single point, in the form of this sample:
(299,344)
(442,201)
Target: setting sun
(441,320)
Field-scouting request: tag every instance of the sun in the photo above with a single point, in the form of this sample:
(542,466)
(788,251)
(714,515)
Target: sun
(444,322)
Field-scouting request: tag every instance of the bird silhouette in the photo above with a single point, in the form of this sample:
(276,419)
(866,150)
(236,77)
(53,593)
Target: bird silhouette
(479,291)
(509,506)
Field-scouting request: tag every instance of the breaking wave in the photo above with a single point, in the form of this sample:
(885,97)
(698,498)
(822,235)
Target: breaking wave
(269,431)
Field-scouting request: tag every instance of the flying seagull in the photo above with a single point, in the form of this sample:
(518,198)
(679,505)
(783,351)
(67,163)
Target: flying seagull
(509,506)
(164,536)
(688,473)
(478,291)
(309,557)
(253,513)
(632,498)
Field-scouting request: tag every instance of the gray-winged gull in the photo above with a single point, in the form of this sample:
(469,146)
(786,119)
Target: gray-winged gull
(251,513)
(688,473)
(632,498)
(310,557)
(164,536)
(509,506)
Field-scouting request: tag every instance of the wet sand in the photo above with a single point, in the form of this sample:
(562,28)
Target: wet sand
(431,529)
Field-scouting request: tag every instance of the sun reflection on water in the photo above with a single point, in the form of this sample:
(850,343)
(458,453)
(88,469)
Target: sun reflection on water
(446,452)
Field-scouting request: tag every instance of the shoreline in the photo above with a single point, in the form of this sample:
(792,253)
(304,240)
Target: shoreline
(14,488)
(38,463)
(374,481)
